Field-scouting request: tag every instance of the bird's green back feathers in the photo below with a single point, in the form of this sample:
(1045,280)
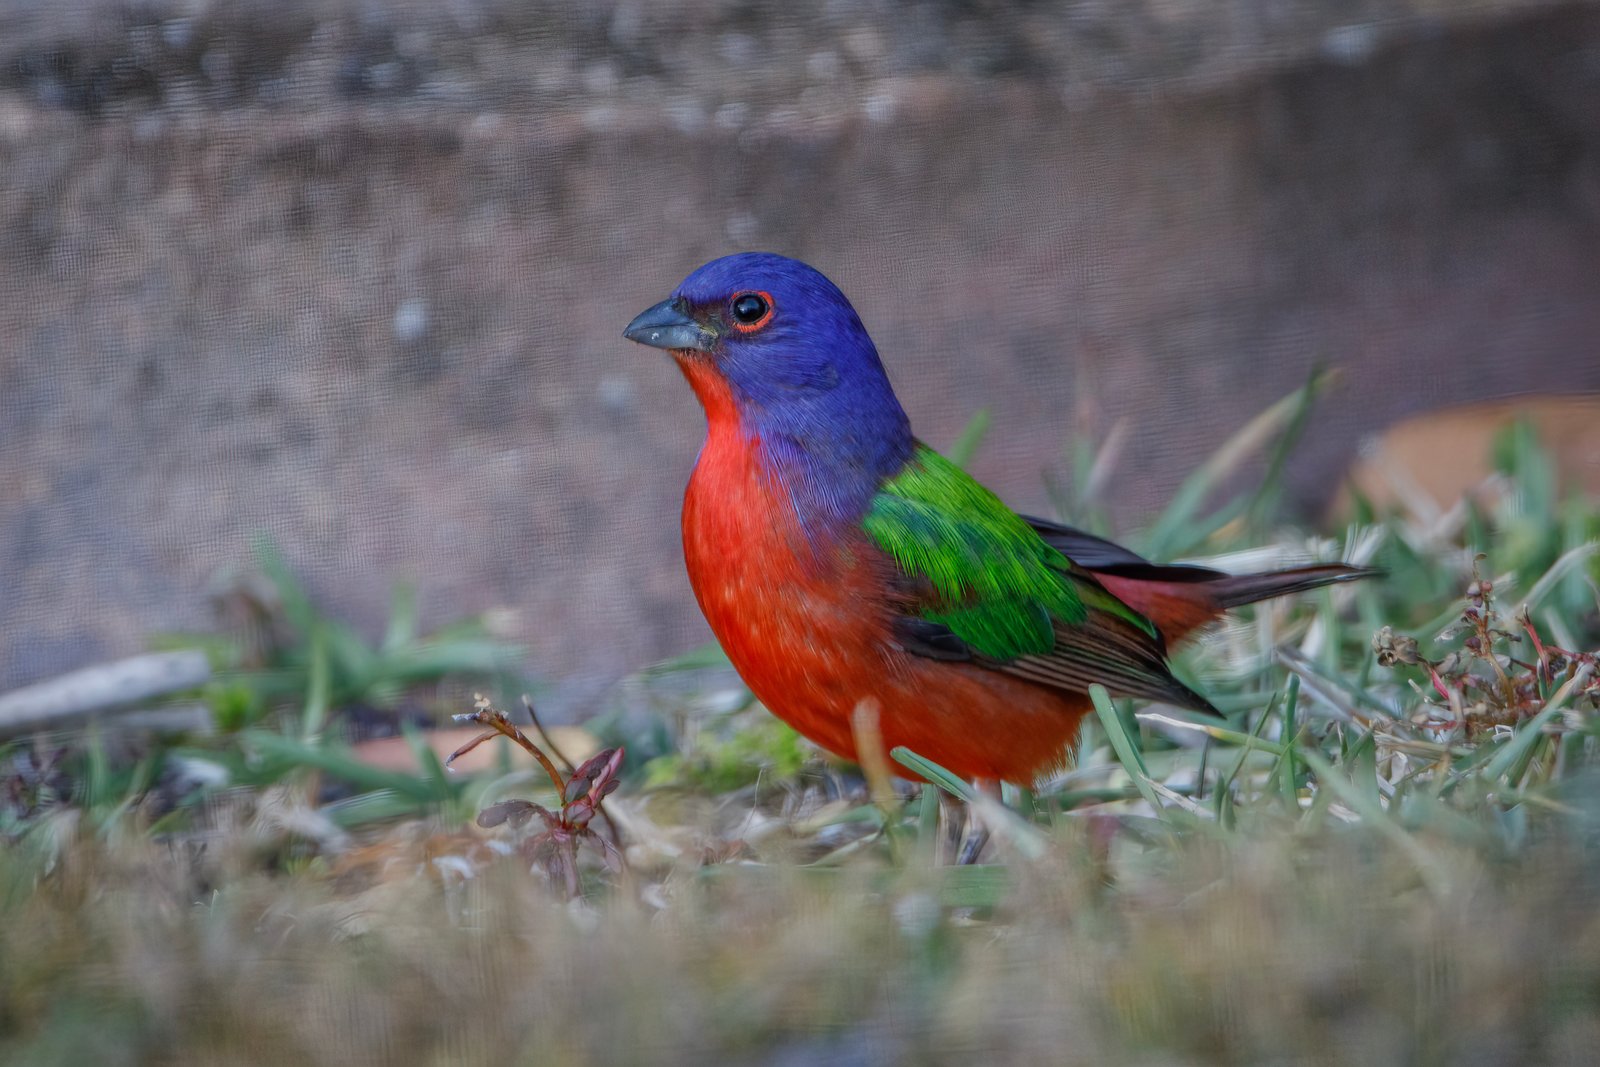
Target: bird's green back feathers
(990,578)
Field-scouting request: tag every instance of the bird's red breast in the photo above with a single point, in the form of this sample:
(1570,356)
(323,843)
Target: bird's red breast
(805,617)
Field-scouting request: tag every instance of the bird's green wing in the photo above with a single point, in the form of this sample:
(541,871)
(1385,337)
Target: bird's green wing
(982,585)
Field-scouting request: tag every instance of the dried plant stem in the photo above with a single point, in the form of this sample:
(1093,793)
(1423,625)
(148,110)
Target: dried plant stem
(549,742)
(496,721)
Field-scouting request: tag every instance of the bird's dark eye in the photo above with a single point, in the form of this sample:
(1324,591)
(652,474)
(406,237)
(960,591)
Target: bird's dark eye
(751,310)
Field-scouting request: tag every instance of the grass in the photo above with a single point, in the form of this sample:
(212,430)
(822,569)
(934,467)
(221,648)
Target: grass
(1389,852)
(1270,947)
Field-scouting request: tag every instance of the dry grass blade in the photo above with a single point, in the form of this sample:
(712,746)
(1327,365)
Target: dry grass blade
(869,749)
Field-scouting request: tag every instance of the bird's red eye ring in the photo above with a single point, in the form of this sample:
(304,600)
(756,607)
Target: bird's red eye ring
(751,311)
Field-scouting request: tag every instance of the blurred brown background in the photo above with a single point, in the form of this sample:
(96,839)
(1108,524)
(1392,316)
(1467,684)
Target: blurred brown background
(354,274)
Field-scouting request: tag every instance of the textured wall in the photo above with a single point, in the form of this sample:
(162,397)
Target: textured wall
(359,281)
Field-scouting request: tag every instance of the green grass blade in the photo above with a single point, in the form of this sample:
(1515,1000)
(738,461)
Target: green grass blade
(1001,820)
(1372,812)
(1569,561)
(1172,527)
(431,659)
(338,762)
(1125,748)
(319,687)
(931,772)
(433,769)
(707,656)
(1222,733)
(971,436)
(379,805)
(297,607)
(402,628)
(1288,771)
(1268,491)
(928,824)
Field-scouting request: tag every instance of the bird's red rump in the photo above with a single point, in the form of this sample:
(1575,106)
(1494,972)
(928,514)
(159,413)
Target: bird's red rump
(1177,608)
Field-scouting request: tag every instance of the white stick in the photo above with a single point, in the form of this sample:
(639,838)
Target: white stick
(59,701)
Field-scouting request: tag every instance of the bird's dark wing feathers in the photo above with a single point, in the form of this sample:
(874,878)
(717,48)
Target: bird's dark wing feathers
(1106,648)
(1107,557)
(1124,660)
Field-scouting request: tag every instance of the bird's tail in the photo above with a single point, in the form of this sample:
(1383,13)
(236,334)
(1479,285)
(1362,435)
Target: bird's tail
(1181,599)
(1236,590)
(1178,598)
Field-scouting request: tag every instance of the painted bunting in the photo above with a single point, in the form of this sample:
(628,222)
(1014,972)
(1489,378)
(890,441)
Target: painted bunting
(839,559)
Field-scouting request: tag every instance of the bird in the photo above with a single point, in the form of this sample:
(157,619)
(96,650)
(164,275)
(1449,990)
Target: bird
(842,563)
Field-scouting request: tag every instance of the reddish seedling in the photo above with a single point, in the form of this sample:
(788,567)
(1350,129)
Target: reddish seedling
(555,847)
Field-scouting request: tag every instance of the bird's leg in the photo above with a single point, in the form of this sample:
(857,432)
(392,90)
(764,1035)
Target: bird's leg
(978,833)
(953,821)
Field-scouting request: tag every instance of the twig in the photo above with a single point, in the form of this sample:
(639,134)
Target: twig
(497,721)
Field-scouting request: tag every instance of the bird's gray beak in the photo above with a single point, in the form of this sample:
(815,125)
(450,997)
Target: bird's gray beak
(668,325)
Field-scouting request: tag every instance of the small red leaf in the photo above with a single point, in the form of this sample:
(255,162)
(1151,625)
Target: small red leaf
(516,812)
(577,786)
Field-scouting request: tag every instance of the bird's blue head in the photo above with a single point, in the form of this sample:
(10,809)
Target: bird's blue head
(797,365)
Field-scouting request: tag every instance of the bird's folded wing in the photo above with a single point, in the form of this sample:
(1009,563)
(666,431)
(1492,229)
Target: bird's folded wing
(980,584)
(1109,649)
(1106,648)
